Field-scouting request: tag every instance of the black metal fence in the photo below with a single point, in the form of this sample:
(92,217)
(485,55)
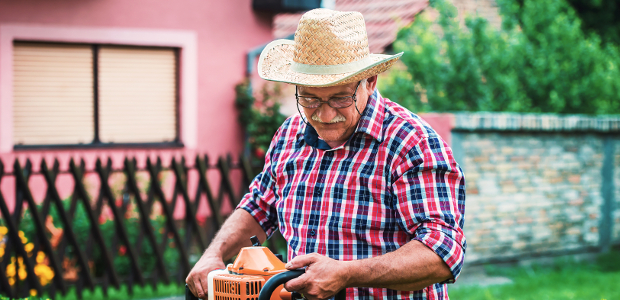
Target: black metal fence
(138,199)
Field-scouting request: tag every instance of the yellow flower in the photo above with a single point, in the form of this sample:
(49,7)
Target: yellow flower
(3,230)
(1,253)
(29,247)
(11,281)
(24,240)
(22,274)
(33,292)
(21,234)
(10,270)
(44,271)
(40,257)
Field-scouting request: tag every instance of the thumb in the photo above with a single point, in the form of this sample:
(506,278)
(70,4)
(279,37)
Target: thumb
(300,262)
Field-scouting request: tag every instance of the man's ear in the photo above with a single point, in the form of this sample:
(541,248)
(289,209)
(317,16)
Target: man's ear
(371,83)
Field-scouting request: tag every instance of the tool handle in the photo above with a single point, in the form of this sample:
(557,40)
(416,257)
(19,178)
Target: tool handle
(189,295)
(281,278)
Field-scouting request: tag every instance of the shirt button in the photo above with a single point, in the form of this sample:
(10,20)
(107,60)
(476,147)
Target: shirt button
(312,232)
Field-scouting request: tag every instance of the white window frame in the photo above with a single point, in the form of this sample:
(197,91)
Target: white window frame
(186,41)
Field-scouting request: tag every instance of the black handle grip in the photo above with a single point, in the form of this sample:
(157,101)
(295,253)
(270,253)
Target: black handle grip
(189,295)
(276,281)
(281,278)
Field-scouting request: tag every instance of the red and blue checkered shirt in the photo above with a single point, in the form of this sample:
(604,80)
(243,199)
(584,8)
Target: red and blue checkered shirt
(394,180)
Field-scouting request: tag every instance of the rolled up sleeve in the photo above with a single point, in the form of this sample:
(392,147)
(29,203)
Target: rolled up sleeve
(430,198)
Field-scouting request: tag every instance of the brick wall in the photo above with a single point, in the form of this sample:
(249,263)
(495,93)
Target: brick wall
(535,184)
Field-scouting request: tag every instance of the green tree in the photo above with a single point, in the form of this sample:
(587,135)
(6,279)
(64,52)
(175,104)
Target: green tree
(599,16)
(545,64)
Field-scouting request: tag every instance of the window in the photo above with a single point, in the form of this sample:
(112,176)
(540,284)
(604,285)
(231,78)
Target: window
(77,94)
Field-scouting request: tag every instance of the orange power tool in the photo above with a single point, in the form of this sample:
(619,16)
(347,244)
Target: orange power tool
(256,274)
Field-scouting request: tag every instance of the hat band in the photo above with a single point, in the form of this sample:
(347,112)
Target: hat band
(331,69)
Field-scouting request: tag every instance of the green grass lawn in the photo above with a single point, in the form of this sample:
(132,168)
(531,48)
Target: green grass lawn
(565,279)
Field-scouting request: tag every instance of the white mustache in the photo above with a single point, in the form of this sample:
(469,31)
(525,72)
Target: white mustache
(338,118)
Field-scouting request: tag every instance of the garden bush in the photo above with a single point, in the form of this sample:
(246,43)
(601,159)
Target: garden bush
(260,117)
(540,61)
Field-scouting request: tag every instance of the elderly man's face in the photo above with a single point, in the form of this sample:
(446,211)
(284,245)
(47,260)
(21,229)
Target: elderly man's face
(335,125)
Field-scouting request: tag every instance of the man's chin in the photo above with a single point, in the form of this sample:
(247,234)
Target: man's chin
(329,135)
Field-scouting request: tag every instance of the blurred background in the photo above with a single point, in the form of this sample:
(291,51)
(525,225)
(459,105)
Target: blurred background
(130,129)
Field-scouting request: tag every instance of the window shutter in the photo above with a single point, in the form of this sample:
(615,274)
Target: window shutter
(52,94)
(137,94)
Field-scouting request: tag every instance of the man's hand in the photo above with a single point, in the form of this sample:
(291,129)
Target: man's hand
(197,278)
(324,276)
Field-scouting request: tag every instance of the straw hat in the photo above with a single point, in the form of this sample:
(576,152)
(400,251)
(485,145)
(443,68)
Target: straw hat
(330,48)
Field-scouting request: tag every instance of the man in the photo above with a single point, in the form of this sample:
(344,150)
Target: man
(367,195)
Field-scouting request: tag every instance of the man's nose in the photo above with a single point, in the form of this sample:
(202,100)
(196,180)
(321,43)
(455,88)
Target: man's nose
(326,113)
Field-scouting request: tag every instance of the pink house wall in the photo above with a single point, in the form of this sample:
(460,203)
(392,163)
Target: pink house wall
(214,37)
(225,31)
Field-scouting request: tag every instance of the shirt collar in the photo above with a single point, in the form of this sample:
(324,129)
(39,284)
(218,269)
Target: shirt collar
(371,123)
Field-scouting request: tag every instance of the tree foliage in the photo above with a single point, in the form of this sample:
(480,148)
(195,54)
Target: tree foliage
(601,17)
(540,61)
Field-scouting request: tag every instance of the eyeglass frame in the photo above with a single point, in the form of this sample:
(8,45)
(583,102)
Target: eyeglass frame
(321,102)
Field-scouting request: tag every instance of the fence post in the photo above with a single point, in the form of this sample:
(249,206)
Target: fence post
(607,191)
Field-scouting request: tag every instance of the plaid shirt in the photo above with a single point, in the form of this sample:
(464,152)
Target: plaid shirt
(394,180)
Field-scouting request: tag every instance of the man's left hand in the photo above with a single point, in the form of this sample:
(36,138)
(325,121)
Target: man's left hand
(324,276)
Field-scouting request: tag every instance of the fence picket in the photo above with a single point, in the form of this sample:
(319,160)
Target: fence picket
(6,215)
(68,231)
(223,166)
(78,177)
(169,217)
(144,218)
(118,218)
(181,186)
(23,186)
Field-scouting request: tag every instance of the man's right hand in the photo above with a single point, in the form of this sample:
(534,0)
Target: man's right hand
(197,278)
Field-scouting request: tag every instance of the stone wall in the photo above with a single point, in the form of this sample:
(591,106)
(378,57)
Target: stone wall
(536,184)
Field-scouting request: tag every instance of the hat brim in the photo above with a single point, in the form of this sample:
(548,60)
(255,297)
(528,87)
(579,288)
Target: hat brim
(276,60)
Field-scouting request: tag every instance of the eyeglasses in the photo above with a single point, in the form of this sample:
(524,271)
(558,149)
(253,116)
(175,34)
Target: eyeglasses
(334,102)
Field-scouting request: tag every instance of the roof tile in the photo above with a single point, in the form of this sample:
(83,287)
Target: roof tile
(383,18)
